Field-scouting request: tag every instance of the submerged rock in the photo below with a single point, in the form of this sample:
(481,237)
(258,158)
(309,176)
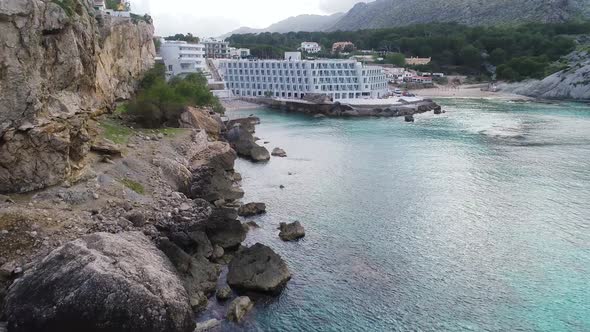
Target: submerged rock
(278,152)
(239,308)
(251,209)
(258,268)
(101,282)
(291,232)
(224,293)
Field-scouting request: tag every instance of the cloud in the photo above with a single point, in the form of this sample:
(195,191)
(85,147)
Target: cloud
(170,24)
(338,6)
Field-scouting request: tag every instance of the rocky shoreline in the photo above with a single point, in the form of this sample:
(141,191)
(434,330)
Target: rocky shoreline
(155,253)
(320,106)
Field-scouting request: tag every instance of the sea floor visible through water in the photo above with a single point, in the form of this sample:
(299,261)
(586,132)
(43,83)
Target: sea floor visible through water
(474,220)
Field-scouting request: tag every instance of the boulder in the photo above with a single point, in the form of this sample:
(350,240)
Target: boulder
(258,268)
(223,231)
(101,282)
(105,146)
(207,325)
(224,293)
(259,153)
(291,232)
(251,209)
(409,118)
(202,118)
(199,276)
(239,308)
(249,123)
(243,143)
(278,152)
(218,252)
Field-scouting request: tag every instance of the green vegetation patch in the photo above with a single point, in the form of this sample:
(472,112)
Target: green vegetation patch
(133,185)
(69,6)
(159,103)
(116,132)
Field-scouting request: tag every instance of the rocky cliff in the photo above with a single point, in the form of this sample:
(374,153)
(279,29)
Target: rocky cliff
(571,83)
(392,13)
(59,64)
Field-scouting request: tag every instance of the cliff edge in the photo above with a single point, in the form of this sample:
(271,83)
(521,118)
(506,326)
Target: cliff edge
(60,64)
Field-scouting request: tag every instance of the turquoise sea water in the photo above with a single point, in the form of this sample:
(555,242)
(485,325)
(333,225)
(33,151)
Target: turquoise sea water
(474,220)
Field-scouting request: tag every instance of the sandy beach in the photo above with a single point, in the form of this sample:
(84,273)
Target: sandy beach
(234,104)
(466,91)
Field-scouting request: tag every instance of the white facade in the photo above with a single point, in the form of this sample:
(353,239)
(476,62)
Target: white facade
(182,58)
(239,53)
(216,49)
(310,47)
(339,79)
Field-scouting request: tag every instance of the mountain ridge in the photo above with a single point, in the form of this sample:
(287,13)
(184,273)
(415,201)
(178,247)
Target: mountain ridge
(305,22)
(394,13)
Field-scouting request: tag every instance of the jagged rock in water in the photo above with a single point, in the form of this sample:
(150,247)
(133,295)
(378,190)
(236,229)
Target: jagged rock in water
(258,268)
(224,293)
(409,118)
(251,209)
(278,152)
(292,231)
(239,308)
(58,66)
(243,142)
(101,282)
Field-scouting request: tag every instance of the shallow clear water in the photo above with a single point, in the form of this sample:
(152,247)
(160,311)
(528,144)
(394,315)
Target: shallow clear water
(474,220)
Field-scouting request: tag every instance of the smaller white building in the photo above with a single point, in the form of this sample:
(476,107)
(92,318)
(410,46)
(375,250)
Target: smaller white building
(293,56)
(182,58)
(239,53)
(310,47)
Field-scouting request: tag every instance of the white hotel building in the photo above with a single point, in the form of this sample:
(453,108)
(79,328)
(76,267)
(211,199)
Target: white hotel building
(294,78)
(182,58)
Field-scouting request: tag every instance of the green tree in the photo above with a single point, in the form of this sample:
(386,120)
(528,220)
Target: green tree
(498,56)
(397,59)
(470,56)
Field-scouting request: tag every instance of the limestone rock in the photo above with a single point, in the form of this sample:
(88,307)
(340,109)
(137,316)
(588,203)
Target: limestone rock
(105,146)
(258,268)
(251,209)
(199,276)
(101,282)
(58,68)
(202,118)
(239,308)
(207,325)
(291,232)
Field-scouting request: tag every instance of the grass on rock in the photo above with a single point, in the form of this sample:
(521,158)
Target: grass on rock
(133,185)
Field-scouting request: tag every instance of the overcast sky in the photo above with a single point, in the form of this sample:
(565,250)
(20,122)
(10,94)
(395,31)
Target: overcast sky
(211,18)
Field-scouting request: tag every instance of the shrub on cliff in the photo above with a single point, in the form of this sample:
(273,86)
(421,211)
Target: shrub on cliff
(160,103)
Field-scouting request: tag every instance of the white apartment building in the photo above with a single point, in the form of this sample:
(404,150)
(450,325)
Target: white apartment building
(310,47)
(182,58)
(216,49)
(339,79)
